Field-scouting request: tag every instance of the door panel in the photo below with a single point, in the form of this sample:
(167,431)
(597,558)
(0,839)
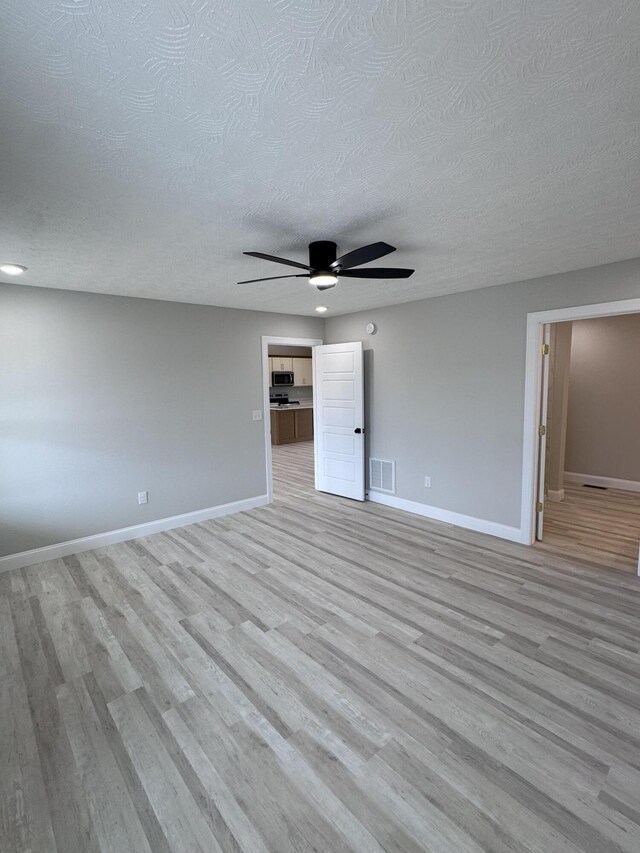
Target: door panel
(339,362)
(340,443)
(338,412)
(337,470)
(339,417)
(336,389)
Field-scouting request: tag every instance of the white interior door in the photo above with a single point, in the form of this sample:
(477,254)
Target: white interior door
(339,419)
(542,432)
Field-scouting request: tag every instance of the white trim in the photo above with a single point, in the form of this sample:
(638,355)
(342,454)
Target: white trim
(535,322)
(99,540)
(555,495)
(541,450)
(607,482)
(289,342)
(480,525)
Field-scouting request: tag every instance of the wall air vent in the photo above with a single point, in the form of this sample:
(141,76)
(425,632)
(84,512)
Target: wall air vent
(382,476)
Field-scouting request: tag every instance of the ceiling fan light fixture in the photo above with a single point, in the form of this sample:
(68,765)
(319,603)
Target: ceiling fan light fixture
(323,280)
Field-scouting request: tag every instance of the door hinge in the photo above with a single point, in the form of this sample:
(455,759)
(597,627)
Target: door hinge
(542,430)
(539,506)
(545,349)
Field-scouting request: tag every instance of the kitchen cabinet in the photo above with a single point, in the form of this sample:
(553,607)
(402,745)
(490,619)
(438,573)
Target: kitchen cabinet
(280,362)
(302,371)
(283,426)
(291,425)
(304,424)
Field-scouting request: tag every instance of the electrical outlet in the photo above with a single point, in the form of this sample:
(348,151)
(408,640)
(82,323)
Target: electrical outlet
(427,482)
(143,498)
(257,414)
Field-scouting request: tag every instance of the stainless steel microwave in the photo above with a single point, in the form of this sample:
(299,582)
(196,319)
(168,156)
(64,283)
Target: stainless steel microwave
(281,377)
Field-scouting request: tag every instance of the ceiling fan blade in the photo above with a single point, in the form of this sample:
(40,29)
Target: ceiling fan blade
(376,272)
(363,255)
(277,260)
(272,278)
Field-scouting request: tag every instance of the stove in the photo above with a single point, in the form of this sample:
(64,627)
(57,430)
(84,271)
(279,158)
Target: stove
(282,400)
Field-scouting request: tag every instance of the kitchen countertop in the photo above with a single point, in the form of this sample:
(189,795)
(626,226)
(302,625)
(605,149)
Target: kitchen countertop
(304,404)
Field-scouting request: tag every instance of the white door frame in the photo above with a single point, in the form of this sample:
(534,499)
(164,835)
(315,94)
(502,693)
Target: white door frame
(542,439)
(532,394)
(267,341)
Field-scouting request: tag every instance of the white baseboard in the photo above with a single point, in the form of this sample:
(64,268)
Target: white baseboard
(607,482)
(480,525)
(555,495)
(99,540)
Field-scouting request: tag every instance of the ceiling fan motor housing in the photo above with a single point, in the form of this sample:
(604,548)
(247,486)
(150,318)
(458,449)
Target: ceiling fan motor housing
(322,254)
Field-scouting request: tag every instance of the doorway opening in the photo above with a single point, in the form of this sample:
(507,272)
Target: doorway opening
(316,406)
(291,418)
(581,476)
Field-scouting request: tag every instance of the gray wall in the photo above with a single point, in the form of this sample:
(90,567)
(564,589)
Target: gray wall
(105,396)
(603,420)
(102,397)
(445,385)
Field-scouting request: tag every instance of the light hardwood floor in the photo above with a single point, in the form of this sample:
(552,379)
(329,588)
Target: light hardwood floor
(598,526)
(319,675)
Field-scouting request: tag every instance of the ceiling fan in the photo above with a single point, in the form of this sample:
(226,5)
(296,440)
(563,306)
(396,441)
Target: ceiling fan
(324,267)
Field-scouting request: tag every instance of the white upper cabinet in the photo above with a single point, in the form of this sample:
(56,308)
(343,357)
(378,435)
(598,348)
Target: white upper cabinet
(302,371)
(280,362)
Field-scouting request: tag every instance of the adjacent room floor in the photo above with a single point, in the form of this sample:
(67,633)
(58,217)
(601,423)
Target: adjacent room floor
(319,675)
(599,526)
(292,466)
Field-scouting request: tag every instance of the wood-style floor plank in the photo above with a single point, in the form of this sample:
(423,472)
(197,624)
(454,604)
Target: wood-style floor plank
(320,675)
(601,526)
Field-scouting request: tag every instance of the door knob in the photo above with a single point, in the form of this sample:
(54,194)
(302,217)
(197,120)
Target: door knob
(358,431)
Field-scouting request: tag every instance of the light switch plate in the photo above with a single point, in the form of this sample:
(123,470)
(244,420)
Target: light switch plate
(257,414)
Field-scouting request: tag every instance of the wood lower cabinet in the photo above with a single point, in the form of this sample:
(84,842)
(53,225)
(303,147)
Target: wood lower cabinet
(290,425)
(283,426)
(304,424)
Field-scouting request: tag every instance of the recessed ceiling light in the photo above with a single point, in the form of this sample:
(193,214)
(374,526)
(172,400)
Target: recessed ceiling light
(321,309)
(12,269)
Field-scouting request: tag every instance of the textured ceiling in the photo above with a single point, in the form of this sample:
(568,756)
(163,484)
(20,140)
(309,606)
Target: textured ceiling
(146,144)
